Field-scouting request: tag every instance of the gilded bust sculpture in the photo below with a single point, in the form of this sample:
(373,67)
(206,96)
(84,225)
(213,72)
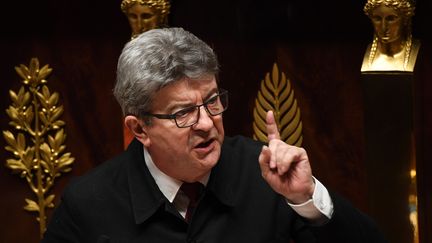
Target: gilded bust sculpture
(145,15)
(392,48)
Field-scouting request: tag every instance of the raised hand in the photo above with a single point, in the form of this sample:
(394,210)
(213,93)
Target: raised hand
(286,168)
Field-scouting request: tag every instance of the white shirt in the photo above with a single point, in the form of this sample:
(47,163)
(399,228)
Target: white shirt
(313,209)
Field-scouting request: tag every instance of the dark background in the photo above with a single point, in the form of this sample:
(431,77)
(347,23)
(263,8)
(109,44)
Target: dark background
(319,45)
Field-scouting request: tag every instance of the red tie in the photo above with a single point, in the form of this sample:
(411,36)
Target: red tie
(193,191)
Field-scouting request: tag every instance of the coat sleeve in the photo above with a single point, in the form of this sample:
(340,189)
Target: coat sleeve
(348,224)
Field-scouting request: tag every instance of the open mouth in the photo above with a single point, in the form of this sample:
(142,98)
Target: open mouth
(205,144)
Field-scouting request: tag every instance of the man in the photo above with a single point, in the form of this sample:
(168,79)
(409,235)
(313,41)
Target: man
(167,88)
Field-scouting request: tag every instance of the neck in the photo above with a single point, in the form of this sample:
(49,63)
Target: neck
(392,48)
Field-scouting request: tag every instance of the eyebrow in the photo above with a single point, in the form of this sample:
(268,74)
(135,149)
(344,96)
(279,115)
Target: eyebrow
(211,94)
(181,105)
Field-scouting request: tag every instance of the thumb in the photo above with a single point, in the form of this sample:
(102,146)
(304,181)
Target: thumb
(272,129)
(264,160)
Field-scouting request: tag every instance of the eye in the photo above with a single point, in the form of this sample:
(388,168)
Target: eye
(212,100)
(392,18)
(146,15)
(184,112)
(376,18)
(132,16)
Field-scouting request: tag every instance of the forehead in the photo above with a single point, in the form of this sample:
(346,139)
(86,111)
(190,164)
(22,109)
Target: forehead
(140,8)
(384,10)
(185,91)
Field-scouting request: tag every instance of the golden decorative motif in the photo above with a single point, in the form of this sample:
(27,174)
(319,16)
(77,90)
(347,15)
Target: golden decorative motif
(37,146)
(393,47)
(405,6)
(144,15)
(406,48)
(163,6)
(276,94)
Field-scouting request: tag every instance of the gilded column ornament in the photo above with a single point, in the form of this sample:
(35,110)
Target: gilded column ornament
(393,47)
(277,94)
(145,15)
(37,146)
(388,82)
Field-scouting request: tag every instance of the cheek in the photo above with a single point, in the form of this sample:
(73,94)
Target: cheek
(180,140)
(132,21)
(176,146)
(396,29)
(172,137)
(218,123)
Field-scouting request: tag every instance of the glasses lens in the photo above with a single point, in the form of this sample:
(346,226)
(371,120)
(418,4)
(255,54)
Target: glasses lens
(186,117)
(217,104)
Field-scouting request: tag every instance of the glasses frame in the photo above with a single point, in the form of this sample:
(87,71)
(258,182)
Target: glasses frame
(197,107)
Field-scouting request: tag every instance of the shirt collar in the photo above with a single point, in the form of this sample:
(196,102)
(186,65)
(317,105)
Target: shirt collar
(167,185)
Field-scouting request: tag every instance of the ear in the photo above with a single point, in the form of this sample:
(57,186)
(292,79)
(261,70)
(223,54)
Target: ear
(138,129)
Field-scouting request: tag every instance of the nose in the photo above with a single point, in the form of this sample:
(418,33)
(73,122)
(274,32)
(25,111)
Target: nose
(139,23)
(384,25)
(205,121)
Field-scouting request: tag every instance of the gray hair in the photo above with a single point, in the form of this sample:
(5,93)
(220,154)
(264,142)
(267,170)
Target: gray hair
(155,59)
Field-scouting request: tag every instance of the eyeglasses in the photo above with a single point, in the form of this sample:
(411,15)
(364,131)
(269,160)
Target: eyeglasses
(189,116)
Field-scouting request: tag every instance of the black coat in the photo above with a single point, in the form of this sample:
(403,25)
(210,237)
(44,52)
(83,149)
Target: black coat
(120,202)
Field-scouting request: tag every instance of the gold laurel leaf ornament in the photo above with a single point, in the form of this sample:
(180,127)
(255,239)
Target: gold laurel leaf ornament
(37,146)
(276,94)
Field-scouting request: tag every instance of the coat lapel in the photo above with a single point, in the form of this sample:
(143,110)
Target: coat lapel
(226,176)
(145,195)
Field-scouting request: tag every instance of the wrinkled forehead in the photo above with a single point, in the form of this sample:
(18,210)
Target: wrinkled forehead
(201,84)
(185,91)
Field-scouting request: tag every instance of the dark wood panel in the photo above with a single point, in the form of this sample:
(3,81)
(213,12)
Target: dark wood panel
(423,128)
(320,49)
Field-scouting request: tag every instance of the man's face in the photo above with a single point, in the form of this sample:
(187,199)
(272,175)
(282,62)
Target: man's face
(387,24)
(188,153)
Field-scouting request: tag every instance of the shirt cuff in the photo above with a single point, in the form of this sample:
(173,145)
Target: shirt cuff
(320,204)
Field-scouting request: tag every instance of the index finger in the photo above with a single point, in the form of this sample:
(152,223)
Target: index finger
(272,129)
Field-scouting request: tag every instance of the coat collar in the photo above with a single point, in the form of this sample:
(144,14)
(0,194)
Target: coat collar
(146,196)
(225,177)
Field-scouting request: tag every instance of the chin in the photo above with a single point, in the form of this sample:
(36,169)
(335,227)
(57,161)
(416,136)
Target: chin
(210,160)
